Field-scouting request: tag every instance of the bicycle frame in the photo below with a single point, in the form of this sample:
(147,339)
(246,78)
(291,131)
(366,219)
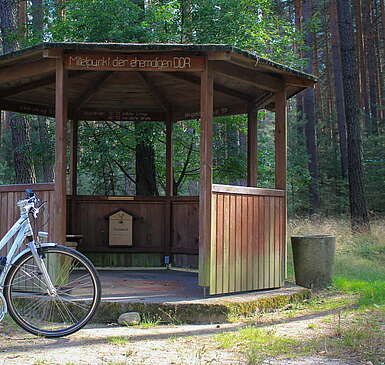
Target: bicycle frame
(23,229)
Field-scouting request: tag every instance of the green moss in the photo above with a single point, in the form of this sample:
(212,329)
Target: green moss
(196,313)
(268,303)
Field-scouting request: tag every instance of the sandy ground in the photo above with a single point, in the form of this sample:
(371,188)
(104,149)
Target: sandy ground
(156,345)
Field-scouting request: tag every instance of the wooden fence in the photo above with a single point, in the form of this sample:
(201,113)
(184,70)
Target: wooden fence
(248,246)
(10,194)
(165,225)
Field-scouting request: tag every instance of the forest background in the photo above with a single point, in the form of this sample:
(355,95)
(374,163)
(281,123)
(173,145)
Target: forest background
(127,158)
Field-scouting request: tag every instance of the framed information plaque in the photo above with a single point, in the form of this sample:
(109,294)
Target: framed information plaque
(120,229)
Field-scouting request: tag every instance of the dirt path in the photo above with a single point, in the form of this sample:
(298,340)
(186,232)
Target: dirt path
(158,345)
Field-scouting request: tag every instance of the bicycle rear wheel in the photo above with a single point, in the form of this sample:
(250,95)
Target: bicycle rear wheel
(77,292)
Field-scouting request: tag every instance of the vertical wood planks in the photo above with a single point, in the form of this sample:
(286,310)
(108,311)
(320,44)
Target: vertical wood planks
(205,194)
(60,152)
(232,243)
(281,161)
(213,255)
(247,242)
(10,194)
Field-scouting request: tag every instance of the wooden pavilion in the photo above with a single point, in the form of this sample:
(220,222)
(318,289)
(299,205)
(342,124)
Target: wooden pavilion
(239,233)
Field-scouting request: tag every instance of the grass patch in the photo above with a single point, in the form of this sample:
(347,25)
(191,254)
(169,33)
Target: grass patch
(360,332)
(359,263)
(118,340)
(259,345)
(149,321)
(370,293)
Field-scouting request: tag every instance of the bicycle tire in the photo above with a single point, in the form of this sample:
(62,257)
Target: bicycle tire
(78,292)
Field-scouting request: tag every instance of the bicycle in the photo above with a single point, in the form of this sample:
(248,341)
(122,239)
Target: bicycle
(48,289)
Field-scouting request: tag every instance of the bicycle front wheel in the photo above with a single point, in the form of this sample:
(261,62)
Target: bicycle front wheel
(52,315)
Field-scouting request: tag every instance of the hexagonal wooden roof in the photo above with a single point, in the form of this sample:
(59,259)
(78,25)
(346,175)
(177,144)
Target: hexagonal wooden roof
(125,81)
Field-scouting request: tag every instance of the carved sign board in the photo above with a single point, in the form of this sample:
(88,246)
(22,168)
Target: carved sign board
(120,229)
(132,62)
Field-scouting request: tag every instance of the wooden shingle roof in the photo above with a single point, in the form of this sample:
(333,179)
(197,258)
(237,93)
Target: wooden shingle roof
(162,80)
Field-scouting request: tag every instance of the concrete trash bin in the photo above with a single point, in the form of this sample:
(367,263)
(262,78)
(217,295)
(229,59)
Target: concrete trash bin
(313,260)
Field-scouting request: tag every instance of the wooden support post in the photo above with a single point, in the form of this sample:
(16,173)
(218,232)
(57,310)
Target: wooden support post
(169,186)
(169,164)
(280,140)
(74,173)
(205,194)
(251,145)
(60,153)
(281,166)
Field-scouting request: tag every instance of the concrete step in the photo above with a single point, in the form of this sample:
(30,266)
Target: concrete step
(213,309)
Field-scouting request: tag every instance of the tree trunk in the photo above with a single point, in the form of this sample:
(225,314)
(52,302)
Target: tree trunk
(8,23)
(47,166)
(315,69)
(145,161)
(37,20)
(309,111)
(329,89)
(42,122)
(339,91)
(358,209)
(362,79)
(299,97)
(371,64)
(24,169)
(381,33)
(186,21)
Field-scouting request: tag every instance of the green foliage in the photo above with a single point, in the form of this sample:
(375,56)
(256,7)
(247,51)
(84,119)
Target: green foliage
(100,21)
(107,153)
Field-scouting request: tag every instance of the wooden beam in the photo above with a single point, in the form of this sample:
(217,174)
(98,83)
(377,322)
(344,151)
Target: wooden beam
(53,53)
(60,202)
(256,78)
(26,70)
(191,79)
(252,145)
(74,156)
(296,81)
(218,56)
(91,90)
(169,187)
(265,100)
(169,158)
(27,108)
(205,194)
(243,190)
(74,173)
(281,166)
(155,92)
(280,140)
(4,93)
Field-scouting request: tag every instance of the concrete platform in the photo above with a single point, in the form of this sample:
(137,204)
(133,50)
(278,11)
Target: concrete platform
(175,297)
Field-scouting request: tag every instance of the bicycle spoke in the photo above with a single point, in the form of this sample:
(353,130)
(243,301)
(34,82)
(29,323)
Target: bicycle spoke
(66,310)
(75,303)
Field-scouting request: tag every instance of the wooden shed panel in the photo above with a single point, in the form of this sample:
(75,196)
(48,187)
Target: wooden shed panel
(148,224)
(11,194)
(185,226)
(248,241)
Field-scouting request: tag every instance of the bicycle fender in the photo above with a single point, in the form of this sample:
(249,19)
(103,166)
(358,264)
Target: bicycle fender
(42,245)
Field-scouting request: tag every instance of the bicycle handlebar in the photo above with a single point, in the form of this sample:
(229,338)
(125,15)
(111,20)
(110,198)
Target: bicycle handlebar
(28,205)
